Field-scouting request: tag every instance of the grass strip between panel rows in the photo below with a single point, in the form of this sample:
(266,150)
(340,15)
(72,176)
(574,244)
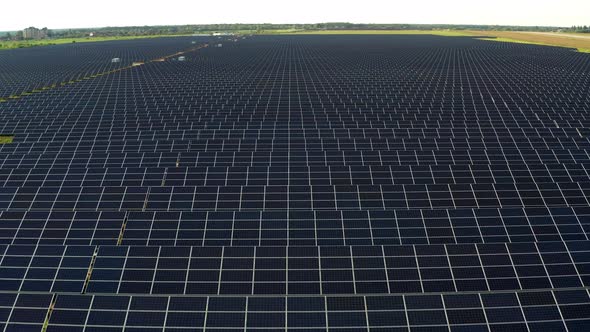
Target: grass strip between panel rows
(6,139)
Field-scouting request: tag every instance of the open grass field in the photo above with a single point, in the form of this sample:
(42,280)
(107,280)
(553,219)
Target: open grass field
(6,139)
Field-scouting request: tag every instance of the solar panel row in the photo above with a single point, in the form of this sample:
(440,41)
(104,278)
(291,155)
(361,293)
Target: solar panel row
(295,175)
(295,270)
(273,228)
(505,311)
(514,158)
(269,198)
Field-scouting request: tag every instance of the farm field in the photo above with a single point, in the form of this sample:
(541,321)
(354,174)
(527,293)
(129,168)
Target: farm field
(301,182)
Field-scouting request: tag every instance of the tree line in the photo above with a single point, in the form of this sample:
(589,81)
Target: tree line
(581,28)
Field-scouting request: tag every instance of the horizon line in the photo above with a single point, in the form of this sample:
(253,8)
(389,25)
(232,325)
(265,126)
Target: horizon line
(211,24)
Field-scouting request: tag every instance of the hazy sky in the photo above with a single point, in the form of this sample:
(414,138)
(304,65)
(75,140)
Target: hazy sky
(16,15)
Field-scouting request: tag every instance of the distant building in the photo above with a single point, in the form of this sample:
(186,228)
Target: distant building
(34,33)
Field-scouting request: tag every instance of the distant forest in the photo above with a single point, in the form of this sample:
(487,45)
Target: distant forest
(583,29)
(262,28)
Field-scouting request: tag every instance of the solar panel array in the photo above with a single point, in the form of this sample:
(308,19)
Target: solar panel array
(40,68)
(300,183)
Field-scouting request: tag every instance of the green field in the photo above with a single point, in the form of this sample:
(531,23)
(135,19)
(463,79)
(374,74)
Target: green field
(6,139)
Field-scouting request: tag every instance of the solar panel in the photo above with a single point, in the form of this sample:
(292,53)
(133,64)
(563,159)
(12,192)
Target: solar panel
(503,311)
(296,269)
(295,183)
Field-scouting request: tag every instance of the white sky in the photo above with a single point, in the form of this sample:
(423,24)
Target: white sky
(16,15)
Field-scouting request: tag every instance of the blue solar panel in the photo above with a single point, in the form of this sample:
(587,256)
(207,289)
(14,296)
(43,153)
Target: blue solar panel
(295,183)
